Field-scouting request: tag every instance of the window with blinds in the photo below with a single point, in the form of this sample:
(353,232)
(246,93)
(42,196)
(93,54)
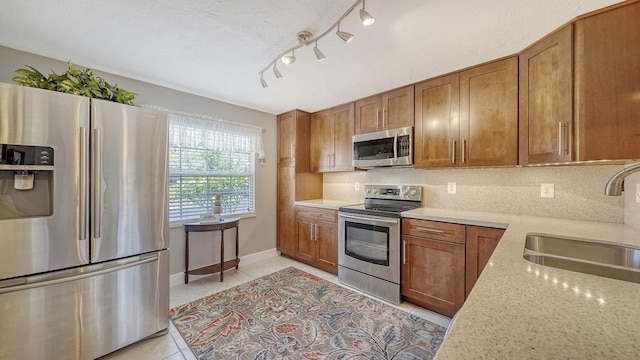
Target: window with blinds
(205,161)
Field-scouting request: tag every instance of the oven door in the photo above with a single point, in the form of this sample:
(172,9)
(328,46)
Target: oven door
(370,245)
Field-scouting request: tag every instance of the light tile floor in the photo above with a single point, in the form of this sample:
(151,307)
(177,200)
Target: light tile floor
(172,346)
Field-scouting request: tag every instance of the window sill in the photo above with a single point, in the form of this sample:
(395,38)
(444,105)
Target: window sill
(180,223)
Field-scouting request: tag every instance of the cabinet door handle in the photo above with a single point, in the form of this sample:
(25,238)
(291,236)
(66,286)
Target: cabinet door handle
(430,230)
(453,152)
(383,110)
(562,136)
(404,251)
(377,118)
(464,149)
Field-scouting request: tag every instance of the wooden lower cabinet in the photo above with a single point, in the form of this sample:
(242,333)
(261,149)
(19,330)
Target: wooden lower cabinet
(442,261)
(481,241)
(316,234)
(433,273)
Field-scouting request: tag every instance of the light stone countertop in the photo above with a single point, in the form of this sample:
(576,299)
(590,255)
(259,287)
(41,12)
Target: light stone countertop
(521,310)
(325,203)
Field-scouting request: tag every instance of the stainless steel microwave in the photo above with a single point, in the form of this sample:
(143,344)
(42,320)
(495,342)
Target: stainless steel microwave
(383,148)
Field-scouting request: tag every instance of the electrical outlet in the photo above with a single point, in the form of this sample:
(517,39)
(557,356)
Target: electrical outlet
(547,191)
(451,188)
(356,186)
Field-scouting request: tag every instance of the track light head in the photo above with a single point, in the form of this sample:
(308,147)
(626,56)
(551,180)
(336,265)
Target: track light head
(277,72)
(319,53)
(345,36)
(289,59)
(264,83)
(366,18)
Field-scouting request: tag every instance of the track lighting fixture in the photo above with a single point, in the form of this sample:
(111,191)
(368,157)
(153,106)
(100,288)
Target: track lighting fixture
(277,72)
(366,18)
(305,38)
(319,53)
(289,59)
(264,83)
(345,36)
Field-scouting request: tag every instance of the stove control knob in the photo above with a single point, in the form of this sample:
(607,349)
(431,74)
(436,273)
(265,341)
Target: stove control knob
(405,192)
(413,193)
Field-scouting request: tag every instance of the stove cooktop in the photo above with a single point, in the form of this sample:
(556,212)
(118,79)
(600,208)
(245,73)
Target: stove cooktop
(387,200)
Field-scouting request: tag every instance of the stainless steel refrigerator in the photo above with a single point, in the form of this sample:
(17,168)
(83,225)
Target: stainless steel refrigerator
(84,259)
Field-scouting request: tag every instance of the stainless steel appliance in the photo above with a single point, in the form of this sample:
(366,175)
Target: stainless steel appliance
(84,265)
(369,239)
(383,148)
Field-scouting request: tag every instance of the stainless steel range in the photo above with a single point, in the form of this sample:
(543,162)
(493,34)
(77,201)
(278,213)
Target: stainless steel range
(369,239)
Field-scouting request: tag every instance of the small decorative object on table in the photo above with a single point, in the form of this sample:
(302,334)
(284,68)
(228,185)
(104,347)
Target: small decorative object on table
(217,205)
(217,210)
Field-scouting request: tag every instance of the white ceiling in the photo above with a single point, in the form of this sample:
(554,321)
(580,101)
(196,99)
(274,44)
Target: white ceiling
(215,48)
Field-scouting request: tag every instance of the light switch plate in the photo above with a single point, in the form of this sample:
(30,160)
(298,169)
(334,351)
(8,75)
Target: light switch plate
(451,188)
(547,191)
(356,186)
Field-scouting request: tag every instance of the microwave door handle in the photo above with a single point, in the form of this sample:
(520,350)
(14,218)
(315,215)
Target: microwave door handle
(395,148)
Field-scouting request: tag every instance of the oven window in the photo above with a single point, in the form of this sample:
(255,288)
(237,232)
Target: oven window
(368,243)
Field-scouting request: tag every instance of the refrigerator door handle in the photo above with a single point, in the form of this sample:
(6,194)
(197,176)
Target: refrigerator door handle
(83,184)
(96,215)
(81,275)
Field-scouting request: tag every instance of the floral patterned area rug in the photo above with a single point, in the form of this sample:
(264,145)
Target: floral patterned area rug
(291,314)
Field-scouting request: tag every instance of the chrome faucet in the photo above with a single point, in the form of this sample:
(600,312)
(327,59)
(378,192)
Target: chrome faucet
(615,185)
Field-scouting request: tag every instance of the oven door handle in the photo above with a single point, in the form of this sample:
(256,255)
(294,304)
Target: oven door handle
(363,218)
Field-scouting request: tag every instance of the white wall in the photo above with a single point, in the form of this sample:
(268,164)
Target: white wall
(257,234)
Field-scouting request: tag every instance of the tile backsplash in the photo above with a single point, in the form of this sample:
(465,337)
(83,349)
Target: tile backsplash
(579,190)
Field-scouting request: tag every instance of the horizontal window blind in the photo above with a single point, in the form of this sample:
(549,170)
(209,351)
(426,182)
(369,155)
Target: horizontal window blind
(205,161)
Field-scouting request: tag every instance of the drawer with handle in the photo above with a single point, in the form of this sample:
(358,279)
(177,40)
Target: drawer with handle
(317,213)
(434,230)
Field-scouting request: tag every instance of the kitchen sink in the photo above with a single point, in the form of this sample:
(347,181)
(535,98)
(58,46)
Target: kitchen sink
(615,261)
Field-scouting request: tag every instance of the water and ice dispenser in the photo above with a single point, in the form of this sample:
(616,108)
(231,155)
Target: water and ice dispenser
(26,176)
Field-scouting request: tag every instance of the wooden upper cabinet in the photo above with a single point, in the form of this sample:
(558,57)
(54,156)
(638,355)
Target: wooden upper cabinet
(321,141)
(437,106)
(293,138)
(607,81)
(368,114)
(286,136)
(397,108)
(391,110)
(489,114)
(468,118)
(546,99)
(343,137)
(331,139)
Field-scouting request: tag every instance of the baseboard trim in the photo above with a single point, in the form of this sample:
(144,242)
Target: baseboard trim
(178,279)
